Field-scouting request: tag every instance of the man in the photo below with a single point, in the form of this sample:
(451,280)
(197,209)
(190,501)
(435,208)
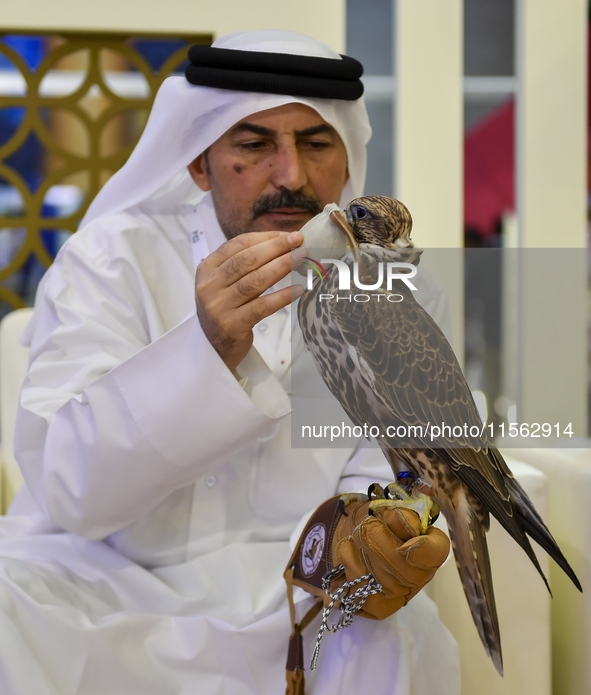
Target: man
(146,552)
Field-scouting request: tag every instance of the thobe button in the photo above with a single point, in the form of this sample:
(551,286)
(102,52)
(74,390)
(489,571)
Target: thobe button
(211,480)
(264,328)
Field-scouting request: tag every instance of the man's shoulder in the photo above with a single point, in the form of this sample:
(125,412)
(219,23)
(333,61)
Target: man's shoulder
(127,232)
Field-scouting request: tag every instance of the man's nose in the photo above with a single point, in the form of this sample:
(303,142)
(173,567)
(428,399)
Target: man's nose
(289,170)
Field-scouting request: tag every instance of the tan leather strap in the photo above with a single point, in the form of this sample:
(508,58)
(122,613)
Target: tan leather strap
(310,615)
(294,667)
(288,576)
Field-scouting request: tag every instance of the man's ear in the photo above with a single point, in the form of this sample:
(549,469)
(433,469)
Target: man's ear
(199,172)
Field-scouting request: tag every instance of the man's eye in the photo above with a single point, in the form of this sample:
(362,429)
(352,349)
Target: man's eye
(253,145)
(317,144)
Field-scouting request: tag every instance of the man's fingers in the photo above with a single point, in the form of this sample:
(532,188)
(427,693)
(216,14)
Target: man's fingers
(426,552)
(383,551)
(404,523)
(239,243)
(258,309)
(252,258)
(261,279)
(411,559)
(246,241)
(229,284)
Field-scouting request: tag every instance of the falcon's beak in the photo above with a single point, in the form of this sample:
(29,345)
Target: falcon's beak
(339,219)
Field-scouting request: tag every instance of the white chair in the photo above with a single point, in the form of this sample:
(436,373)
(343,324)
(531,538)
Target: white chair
(569,492)
(14,360)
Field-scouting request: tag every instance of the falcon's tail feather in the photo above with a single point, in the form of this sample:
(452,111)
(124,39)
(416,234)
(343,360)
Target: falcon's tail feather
(533,525)
(472,559)
(516,514)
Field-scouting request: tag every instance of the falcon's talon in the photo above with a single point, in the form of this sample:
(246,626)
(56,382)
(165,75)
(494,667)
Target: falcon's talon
(377,490)
(399,492)
(419,502)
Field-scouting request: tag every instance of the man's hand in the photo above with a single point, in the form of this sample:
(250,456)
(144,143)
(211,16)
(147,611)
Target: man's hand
(229,284)
(390,546)
(386,543)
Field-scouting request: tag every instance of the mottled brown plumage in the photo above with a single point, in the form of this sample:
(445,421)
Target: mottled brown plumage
(389,364)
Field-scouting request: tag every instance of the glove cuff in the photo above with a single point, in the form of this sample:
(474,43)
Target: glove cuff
(312,556)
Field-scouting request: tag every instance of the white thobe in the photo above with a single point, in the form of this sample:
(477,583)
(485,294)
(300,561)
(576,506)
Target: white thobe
(145,553)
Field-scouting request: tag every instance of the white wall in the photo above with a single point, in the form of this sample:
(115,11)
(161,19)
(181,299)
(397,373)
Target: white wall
(429,135)
(321,19)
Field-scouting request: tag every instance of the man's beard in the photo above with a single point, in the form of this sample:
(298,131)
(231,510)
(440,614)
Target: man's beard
(286,199)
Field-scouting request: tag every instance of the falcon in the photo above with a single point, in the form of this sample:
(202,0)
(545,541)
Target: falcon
(390,366)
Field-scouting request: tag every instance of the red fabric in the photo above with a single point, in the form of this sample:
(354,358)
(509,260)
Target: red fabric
(489,166)
(489,171)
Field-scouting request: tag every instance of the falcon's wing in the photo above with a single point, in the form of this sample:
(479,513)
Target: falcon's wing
(408,363)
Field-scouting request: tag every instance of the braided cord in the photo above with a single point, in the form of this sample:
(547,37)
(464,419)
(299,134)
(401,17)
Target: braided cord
(348,605)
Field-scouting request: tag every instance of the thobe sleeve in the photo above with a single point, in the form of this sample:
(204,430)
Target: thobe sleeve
(366,466)
(112,419)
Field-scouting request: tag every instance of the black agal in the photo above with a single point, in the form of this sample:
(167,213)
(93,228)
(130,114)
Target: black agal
(275,73)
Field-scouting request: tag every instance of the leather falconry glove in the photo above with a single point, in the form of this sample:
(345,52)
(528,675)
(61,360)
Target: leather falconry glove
(362,554)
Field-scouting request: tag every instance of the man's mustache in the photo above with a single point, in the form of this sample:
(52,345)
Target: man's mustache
(286,199)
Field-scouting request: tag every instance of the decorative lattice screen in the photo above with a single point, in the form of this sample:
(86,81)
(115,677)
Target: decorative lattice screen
(69,118)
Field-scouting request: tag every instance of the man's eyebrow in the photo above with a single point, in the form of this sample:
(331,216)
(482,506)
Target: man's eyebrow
(316,130)
(253,128)
(269,132)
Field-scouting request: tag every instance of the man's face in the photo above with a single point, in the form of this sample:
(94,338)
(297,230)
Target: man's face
(274,170)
